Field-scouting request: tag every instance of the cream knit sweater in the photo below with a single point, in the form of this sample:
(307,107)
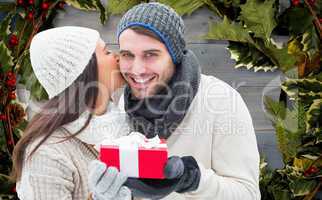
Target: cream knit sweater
(59,170)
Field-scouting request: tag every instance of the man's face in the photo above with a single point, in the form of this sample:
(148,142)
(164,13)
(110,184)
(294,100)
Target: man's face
(145,63)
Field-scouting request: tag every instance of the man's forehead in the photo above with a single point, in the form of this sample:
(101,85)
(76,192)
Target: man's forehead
(144,51)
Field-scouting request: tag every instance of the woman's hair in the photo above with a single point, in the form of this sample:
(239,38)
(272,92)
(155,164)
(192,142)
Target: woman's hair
(58,111)
(143,31)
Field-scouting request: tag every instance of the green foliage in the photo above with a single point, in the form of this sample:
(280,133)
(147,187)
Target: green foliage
(6,58)
(298,19)
(247,56)
(314,114)
(311,42)
(261,23)
(7,6)
(250,39)
(5,26)
(116,7)
(289,125)
(227,30)
(90,6)
(306,89)
(184,7)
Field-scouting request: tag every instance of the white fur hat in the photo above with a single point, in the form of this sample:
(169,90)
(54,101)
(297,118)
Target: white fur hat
(59,55)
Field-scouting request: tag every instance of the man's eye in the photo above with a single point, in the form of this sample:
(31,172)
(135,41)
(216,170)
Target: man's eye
(150,55)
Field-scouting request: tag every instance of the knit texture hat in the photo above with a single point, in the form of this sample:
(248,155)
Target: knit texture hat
(59,56)
(160,19)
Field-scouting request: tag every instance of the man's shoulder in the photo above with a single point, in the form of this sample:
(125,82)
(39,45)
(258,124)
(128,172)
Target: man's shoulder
(213,85)
(215,96)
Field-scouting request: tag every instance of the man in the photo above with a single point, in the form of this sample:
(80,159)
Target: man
(206,123)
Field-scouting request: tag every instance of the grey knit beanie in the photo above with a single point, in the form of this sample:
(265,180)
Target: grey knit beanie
(160,19)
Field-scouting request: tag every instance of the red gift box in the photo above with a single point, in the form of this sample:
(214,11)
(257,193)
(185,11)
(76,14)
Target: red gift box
(139,161)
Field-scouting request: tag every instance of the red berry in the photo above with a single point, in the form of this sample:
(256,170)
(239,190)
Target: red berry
(310,171)
(13,189)
(313,170)
(13,40)
(9,142)
(45,6)
(13,37)
(12,95)
(31,2)
(3,117)
(11,76)
(311,2)
(19,2)
(30,15)
(320,20)
(296,2)
(11,83)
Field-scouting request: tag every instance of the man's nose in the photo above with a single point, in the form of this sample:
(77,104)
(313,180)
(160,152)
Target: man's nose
(138,66)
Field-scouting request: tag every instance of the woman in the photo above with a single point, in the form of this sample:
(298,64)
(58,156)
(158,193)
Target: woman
(55,158)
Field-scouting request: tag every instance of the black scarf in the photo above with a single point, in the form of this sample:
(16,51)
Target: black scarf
(162,113)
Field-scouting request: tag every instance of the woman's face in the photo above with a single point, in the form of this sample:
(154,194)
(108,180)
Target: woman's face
(109,76)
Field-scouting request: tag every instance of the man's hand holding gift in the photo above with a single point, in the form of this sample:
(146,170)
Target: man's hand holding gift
(181,175)
(151,173)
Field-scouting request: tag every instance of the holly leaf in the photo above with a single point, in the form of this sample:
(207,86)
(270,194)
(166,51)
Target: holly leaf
(301,187)
(90,6)
(7,6)
(314,114)
(311,42)
(299,20)
(295,47)
(6,59)
(5,26)
(275,109)
(227,30)
(281,56)
(82,4)
(184,7)
(304,89)
(103,11)
(116,7)
(247,56)
(258,16)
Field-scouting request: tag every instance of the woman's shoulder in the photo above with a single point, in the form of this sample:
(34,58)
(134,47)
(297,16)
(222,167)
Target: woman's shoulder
(53,146)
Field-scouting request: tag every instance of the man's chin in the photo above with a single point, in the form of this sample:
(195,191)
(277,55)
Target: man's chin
(144,93)
(139,94)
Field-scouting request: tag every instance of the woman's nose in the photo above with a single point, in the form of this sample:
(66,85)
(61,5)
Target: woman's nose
(117,57)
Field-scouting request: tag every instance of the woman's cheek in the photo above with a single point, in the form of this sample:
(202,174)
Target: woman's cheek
(124,66)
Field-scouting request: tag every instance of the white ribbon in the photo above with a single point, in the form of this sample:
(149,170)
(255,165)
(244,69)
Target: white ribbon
(136,139)
(129,150)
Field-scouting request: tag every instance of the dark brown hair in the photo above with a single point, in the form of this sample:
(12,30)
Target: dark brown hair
(62,109)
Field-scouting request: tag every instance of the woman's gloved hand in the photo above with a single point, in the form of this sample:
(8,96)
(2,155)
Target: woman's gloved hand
(106,183)
(182,175)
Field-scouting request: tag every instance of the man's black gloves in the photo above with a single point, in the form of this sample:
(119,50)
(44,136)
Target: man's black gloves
(182,175)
